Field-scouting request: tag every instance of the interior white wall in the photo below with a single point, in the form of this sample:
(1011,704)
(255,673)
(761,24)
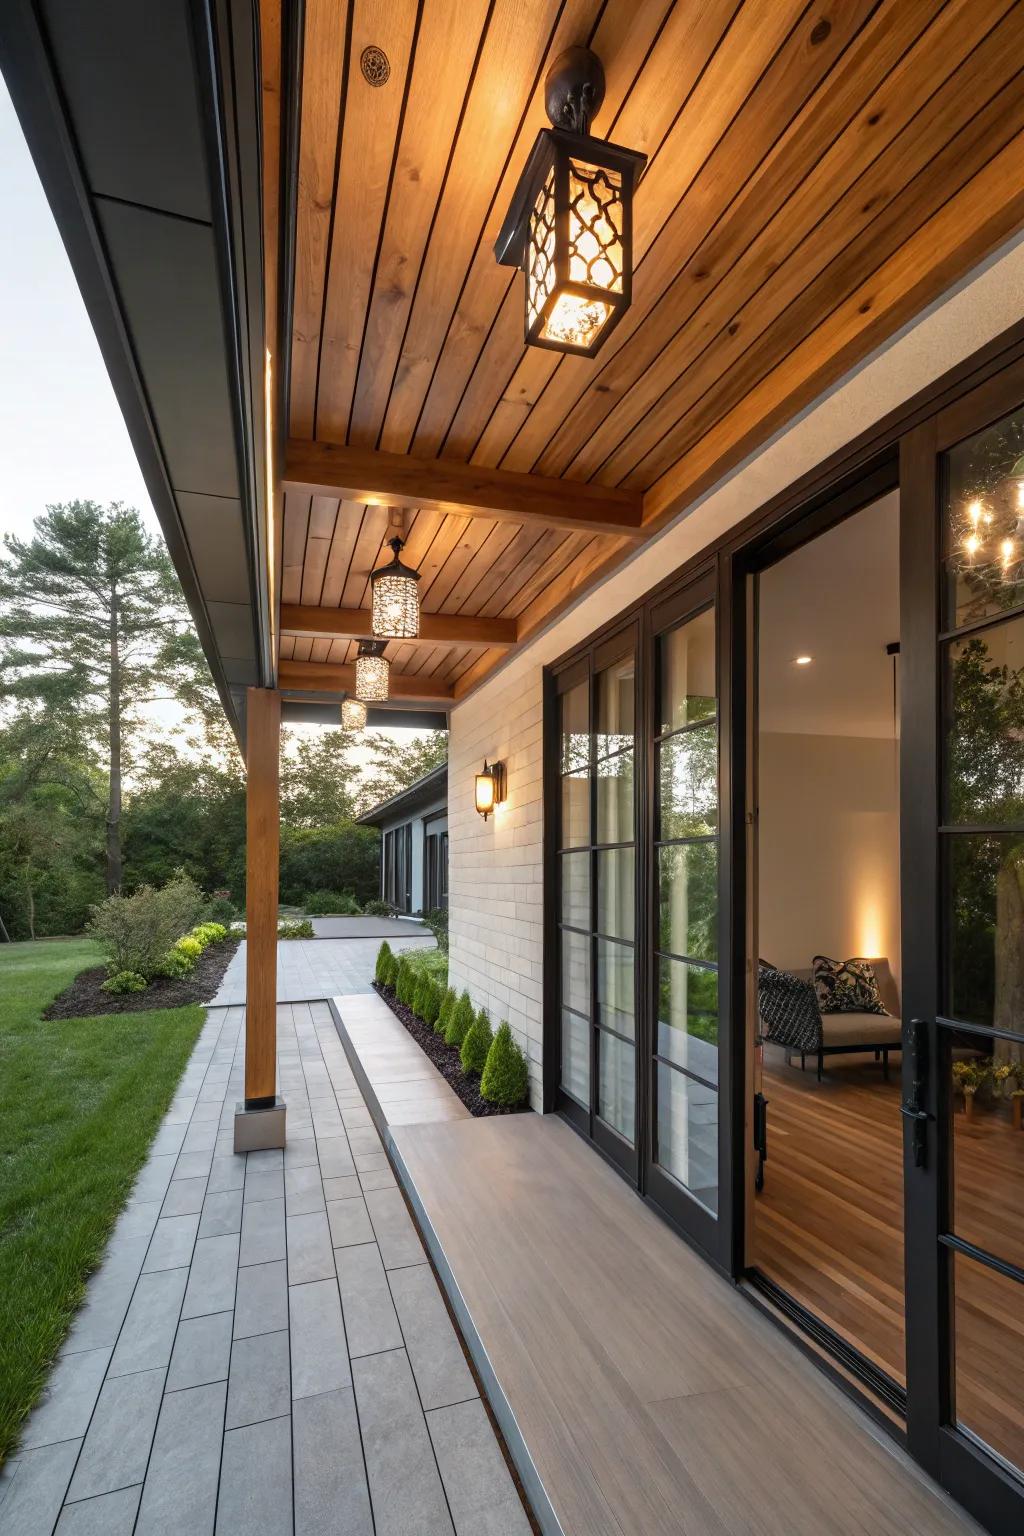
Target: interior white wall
(496,907)
(828,849)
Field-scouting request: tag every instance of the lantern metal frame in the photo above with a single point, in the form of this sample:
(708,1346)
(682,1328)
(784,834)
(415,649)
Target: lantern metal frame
(495,773)
(574,90)
(405,573)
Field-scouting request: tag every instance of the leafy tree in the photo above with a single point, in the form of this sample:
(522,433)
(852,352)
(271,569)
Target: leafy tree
(393,765)
(93,627)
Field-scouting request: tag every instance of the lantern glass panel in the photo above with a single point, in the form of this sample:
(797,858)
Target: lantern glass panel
(372,679)
(540,251)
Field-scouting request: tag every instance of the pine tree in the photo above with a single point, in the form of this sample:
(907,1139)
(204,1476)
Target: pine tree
(459,1021)
(444,1013)
(93,626)
(505,1078)
(476,1044)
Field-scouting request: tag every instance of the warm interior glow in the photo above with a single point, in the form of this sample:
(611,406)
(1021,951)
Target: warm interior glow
(1007,551)
(396,608)
(972,544)
(484,793)
(575,321)
(802,661)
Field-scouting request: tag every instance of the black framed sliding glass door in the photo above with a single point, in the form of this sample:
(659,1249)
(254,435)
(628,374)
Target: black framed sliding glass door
(596,884)
(962,480)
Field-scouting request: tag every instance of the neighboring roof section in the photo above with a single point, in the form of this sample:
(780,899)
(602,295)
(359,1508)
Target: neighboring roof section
(418,797)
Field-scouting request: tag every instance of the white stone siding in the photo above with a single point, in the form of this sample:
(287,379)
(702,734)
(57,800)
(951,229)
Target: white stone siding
(495,868)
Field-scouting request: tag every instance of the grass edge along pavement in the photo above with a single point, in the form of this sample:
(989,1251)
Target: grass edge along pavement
(80,1103)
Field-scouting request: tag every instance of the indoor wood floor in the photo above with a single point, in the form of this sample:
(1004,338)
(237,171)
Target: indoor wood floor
(828,1228)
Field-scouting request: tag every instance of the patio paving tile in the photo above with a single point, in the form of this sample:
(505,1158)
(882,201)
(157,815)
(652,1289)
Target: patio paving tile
(180,1491)
(440,1368)
(262,1232)
(261,1303)
(258,1387)
(256,1481)
(371,1323)
(349,1221)
(331,1492)
(202,1351)
(211,1283)
(184,1197)
(481,1494)
(310,1256)
(320,1360)
(116,1448)
(68,1399)
(264,1184)
(405,1486)
(37,1489)
(172,1243)
(396,1236)
(111,1514)
(222,1213)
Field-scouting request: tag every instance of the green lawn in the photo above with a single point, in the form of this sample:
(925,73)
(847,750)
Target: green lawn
(80,1102)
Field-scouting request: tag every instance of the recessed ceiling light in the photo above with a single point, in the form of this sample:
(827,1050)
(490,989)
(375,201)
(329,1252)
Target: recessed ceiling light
(802,661)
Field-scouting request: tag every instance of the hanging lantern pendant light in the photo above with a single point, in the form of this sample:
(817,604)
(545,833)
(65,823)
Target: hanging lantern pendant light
(570,226)
(372,671)
(395,598)
(353,715)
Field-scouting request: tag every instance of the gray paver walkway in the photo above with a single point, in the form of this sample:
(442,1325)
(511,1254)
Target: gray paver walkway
(324,967)
(264,1351)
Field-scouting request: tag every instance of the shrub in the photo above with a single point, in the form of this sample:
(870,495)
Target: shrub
(444,1013)
(190,946)
(331,903)
(505,1078)
(459,1021)
(175,964)
(136,931)
(124,981)
(209,933)
(390,976)
(436,919)
(299,928)
(431,1002)
(405,986)
(383,956)
(477,1043)
(221,909)
(419,996)
(377,908)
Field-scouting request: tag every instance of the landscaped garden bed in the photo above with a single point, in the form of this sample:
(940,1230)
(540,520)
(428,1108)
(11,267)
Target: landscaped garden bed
(85,996)
(486,1069)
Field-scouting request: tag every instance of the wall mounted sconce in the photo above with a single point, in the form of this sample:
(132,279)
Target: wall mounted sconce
(372,672)
(395,602)
(353,715)
(570,226)
(490,787)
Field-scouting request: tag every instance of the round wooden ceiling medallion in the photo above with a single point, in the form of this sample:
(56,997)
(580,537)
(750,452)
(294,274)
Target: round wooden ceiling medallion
(375,66)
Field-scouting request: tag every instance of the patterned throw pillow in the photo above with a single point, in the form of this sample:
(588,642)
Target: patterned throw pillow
(846,986)
(788,1010)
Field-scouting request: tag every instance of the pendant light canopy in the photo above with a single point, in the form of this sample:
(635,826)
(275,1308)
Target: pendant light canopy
(570,226)
(353,714)
(395,598)
(372,669)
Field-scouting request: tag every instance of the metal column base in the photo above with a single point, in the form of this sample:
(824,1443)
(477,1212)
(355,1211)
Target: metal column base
(259,1127)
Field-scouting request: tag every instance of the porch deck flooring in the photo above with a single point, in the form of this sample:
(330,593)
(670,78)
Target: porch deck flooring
(265,1349)
(407,1087)
(326,965)
(651,1397)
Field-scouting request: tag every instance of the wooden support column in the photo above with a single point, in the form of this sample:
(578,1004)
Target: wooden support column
(262,842)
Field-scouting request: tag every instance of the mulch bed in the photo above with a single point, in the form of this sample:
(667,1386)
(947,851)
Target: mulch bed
(446,1059)
(85,995)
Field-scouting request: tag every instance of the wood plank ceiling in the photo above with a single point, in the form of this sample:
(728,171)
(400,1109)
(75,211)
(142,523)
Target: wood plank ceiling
(816,174)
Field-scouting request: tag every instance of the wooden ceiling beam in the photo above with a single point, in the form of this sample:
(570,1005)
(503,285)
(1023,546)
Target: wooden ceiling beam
(322,677)
(435,628)
(396,480)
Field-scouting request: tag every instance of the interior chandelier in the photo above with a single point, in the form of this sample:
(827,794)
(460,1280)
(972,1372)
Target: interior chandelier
(372,669)
(992,526)
(570,225)
(353,714)
(395,600)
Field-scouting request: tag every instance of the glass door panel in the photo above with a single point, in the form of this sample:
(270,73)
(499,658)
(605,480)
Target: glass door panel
(685,1043)
(597,897)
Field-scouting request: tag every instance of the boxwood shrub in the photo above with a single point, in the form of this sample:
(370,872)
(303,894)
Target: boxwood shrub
(476,1044)
(505,1078)
(459,1021)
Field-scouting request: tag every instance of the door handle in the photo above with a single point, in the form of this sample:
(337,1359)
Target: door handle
(912,1108)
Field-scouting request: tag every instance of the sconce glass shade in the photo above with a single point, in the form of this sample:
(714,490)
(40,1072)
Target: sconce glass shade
(395,603)
(489,788)
(571,229)
(353,714)
(372,679)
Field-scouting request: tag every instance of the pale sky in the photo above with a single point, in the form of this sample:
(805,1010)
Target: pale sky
(62,437)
